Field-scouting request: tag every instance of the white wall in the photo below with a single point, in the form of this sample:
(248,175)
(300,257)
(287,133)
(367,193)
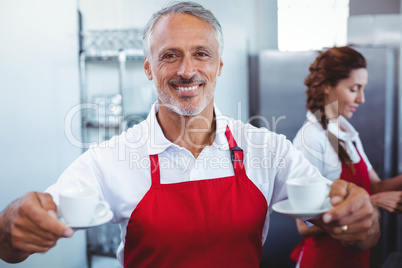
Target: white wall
(38,84)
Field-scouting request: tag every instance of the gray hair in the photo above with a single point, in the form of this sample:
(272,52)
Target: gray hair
(190,8)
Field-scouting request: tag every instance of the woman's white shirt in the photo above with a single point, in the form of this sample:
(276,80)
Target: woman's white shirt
(313,141)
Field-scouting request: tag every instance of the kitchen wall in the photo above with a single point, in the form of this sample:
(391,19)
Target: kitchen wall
(38,85)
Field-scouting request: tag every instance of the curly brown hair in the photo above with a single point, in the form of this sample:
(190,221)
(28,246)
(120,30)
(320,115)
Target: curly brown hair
(327,70)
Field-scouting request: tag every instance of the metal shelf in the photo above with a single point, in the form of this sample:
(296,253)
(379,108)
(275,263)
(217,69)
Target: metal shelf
(121,57)
(103,240)
(113,55)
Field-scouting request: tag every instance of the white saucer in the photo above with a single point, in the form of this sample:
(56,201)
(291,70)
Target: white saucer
(285,208)
(96,222)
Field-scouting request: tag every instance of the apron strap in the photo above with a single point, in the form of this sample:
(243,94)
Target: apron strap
(155,173)
(236,153)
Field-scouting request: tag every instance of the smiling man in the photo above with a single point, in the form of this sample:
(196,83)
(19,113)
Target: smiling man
(198,193)
(184,61)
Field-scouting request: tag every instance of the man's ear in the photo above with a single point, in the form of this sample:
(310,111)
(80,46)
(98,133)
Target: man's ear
(147,68)
(220,67)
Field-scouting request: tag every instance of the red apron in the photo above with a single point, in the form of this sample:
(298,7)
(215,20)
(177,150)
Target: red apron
(207,223)
(323,250)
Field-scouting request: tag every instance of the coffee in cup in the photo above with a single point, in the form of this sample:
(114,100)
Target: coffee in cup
(80,206)
(307,193)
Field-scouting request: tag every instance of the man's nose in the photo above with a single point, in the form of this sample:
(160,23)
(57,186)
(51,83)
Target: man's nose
(186,68)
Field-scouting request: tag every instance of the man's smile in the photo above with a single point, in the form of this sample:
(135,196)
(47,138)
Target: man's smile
(187,88)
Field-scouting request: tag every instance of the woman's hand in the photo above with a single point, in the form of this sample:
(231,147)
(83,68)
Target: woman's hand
(390,201)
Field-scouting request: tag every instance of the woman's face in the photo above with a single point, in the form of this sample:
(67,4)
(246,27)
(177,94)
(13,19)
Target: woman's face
(344,98)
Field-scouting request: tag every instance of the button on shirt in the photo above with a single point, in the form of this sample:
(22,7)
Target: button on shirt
(120,170)
(313,141)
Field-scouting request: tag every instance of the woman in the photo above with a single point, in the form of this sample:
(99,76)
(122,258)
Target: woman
(335,89)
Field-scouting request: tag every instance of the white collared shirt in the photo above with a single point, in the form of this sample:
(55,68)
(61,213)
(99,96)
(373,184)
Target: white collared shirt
(119,168)
(312,140)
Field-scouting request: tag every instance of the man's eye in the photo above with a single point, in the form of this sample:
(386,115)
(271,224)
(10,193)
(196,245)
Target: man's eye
(169,56)
(202,54)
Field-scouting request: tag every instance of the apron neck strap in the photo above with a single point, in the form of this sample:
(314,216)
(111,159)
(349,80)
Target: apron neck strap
(155,172)
(236,153)
(229,137)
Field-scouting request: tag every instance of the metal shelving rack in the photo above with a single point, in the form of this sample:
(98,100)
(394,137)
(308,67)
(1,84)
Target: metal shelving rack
(121,57)
(101,47)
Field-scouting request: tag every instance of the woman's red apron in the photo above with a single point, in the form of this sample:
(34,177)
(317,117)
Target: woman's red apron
(323,250)
(207,223)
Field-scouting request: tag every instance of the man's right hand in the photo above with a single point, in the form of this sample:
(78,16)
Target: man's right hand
(30,225)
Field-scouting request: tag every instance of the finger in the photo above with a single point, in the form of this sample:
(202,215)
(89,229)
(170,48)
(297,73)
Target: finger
(32,247)
(30,242)
(27,228)
(351,217)
(29,237)
(47,202)
(49,222)
(355,205)
(28,231)
(40,218)
(335,226)
(397,209)
(340,216)
(338,191)
(352,233)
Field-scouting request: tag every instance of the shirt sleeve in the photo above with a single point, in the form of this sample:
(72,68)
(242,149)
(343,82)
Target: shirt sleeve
(313,142)
(83,172)
(292,165)
(359,146)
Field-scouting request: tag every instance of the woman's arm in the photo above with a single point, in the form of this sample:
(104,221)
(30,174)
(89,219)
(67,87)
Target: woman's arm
(390,201)
(378,185)
(386,194)
(307,231)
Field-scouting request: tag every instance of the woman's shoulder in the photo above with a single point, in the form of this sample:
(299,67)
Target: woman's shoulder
(311,134)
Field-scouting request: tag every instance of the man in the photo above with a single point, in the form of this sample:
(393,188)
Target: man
(188,186)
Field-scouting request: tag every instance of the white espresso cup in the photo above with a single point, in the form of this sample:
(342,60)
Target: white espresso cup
(307,193)
(81,206)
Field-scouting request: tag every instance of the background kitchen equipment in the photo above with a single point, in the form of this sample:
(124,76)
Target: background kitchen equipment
(113,87)
(107,112)
(375,121)
(115,94)
(108,43)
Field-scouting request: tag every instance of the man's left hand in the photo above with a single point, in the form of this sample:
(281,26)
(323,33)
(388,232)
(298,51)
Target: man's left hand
(354,220)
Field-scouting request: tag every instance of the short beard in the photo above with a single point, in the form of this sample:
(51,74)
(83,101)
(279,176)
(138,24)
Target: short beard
(185,109)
